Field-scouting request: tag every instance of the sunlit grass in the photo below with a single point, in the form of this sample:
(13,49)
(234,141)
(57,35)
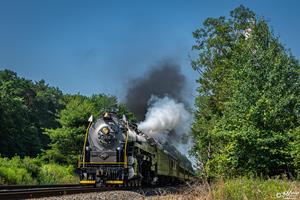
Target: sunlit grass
(237,189)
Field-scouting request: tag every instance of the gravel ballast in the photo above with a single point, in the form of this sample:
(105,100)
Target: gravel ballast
(111,195)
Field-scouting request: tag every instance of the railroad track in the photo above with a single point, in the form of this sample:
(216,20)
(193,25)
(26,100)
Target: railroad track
(26,192)
(36,191)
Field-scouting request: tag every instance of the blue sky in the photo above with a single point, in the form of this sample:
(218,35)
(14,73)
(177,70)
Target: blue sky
(97,46)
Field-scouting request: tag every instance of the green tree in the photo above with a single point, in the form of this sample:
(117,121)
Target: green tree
(248,102)
(25,109)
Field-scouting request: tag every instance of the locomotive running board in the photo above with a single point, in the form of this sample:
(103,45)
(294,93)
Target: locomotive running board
(87,182)
(114,182)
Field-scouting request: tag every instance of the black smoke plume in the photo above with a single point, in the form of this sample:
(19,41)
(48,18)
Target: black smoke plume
(165,79)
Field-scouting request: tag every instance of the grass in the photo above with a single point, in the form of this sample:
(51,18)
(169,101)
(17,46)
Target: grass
(239,189)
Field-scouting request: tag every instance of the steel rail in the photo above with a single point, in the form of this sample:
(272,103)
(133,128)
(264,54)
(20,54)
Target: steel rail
(35,192)
(10,187)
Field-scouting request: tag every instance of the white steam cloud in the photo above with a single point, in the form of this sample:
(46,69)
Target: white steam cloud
(167,120)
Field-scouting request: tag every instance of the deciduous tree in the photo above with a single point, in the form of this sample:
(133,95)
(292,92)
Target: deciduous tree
(249,97)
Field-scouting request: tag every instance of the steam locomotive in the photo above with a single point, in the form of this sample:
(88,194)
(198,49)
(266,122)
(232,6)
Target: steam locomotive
(116,152)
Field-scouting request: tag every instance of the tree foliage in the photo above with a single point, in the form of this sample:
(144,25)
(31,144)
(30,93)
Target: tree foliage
(247,113)
(26,108)
(38,118)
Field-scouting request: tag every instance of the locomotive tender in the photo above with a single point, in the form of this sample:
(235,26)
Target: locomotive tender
(116,152)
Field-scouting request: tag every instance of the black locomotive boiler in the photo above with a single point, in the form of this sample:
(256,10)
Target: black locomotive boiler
(116,152)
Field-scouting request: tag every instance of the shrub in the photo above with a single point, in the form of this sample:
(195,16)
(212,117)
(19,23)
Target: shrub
(56,174)
(16,171)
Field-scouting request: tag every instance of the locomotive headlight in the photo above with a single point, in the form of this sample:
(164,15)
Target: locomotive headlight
(105,130)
